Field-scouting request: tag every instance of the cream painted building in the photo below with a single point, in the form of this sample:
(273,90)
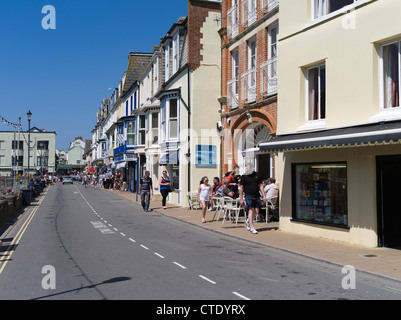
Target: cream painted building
(339,120)
(189,106)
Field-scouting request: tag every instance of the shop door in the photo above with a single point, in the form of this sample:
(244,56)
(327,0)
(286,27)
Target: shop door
(263,169)
(389,203)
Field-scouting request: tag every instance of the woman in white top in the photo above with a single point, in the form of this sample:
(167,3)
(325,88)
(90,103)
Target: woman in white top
(204,195)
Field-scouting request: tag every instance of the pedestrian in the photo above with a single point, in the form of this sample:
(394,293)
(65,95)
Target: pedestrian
(85,180)
(251,184)
(107,180)
(164,183)
(204,195)
(146,190)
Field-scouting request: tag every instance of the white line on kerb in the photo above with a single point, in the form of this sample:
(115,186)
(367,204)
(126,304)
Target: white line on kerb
(207,279)
(159,255)
(180,265)
(241,296)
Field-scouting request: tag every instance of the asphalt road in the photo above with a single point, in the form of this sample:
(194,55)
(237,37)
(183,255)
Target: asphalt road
(88,244)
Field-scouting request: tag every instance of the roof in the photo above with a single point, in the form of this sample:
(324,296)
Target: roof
(382,133)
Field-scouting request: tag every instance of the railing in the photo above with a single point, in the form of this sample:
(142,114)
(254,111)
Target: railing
(232,93)
(248,81)
(249,13)
(269,5)
(232,22)
(268,74)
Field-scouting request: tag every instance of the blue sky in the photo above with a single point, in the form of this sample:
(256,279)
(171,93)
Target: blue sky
(62,75)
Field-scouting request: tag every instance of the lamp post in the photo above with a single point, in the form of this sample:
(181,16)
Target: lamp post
(29,115)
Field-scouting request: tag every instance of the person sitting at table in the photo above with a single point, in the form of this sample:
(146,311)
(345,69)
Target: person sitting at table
(227,192)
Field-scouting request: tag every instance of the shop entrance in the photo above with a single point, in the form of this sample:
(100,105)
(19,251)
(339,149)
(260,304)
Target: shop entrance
(388,201)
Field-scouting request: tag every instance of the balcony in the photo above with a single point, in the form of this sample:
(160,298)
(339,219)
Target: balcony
(248,81)
(268,74)
(232,93)
(249,12)
(269,5)
(119,150)
(232,22)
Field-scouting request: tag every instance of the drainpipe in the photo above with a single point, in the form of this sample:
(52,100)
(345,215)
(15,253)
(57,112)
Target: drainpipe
(189,129)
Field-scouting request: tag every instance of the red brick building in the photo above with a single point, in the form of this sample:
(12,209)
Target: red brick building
(249,82)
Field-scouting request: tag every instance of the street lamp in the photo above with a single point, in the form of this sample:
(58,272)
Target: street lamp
(29,115)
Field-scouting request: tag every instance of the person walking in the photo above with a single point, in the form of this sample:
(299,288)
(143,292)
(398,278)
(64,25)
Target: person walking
(164,183)
(204,195)
(85,180)
(251,184)
(146,190)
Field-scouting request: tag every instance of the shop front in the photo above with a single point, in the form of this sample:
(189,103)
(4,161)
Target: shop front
(341,184)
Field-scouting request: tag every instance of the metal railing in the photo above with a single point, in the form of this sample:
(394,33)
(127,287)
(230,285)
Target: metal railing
(248,88)
(232,22)
(269,79)
(232,93)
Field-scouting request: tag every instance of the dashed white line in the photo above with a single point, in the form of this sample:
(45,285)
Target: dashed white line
(180,265)
(122,234)
(159,255)
(207,279)
(131,239)
(115,229)
(240,295)
(144,247)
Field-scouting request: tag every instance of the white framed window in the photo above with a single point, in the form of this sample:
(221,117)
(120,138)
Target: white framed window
(176,53)
(322,8)
(272,41)
(316,92)
(173,119)
(167,62)
(390,74)
(252,63)
(131,134)
(141,129)
(235,70)
(155,128)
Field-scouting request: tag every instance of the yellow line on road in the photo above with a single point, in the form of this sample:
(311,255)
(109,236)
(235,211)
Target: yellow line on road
(7,255)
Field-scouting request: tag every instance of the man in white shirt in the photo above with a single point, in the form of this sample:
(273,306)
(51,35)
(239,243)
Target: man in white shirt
(271,190)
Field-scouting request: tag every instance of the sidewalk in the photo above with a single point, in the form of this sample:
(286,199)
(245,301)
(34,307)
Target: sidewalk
(379,261)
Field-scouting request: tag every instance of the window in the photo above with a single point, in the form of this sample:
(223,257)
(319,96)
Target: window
(391,75)
(14,145)
(167,61)
(17,160)
(173,119)
(316,95)
(205,156)
(44,145)
(131,130)
(141,130)
(2,145)
(320,191)
(155,128)
(324,7)
(2,161)
(176,176)
(163,122)
(176,54)
(235,70)
(232,84)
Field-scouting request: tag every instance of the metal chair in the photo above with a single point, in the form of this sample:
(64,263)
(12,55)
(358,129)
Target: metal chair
(230,205)
(193,201)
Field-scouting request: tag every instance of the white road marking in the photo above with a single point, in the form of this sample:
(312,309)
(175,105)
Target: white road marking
(144,247)
(159,255)
(132,240)
(207,279)
(180,265)
(122,234)
(241,296)
(115,229)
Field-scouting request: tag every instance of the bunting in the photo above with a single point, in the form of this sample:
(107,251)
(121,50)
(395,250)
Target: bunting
(8,123)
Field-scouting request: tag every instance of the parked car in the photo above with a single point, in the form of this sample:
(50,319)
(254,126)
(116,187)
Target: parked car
(67,179)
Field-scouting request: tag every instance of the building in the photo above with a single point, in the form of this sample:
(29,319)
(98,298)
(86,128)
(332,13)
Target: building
(339,120)
(191,71)
(14,152)
(249,82)
(76,152)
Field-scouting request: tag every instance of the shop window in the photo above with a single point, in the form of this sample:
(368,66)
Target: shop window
(320,193)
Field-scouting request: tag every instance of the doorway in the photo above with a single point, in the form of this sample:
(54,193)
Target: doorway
(264,165)
(388,201)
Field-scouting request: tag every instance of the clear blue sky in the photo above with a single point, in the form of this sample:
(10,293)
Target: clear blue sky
(62,75)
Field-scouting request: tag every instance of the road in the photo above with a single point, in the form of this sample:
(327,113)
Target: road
(88,244)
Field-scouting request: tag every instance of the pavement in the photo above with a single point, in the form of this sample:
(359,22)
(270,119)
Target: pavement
(384,262)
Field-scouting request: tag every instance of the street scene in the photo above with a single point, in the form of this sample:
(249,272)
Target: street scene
(223,150)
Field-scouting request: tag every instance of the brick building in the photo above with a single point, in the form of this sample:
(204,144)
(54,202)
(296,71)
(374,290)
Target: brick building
(249,82)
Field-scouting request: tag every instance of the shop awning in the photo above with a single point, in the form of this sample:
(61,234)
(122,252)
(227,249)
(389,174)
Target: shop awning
(384,133)
(169,158)
(120,165)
